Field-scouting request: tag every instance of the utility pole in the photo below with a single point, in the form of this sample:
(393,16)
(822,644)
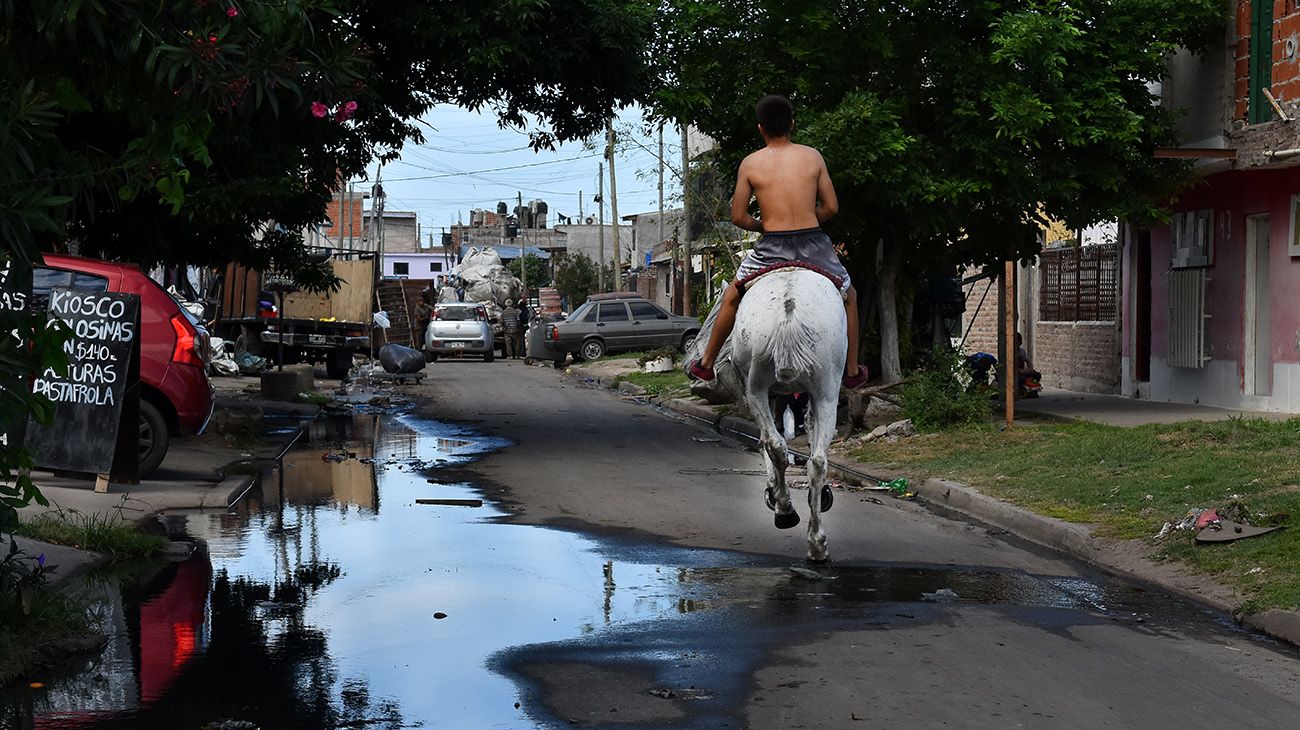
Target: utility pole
(660,238)
(613,191)
(579,207)
(600,198)
(343,201)
(523,265)
(686,239)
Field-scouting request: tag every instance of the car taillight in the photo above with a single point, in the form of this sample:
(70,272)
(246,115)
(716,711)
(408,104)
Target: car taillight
(187,342)
(555,333)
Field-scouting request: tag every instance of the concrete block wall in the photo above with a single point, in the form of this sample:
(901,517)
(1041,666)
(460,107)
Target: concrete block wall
(1081,356)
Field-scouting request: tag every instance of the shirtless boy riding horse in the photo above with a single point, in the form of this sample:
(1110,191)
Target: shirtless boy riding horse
(795,196)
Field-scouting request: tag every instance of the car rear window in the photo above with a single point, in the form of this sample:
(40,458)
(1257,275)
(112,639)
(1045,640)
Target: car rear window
(613,312)
(456,314)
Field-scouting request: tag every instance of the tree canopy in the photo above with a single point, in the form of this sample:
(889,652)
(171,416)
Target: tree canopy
(949,128)
(177,130)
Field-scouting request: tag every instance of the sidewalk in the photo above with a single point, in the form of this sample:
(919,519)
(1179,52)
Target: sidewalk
(1076,540)
(1115,410)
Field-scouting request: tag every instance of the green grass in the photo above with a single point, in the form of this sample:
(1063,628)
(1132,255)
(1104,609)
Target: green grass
(673,382)
(107,535)
(1130,481)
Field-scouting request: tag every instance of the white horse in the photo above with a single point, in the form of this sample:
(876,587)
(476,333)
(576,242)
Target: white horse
(790,338)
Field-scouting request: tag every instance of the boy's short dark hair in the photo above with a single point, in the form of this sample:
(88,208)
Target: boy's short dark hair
(775,114)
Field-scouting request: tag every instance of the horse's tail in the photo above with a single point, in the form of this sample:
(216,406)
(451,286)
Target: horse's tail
(792,345)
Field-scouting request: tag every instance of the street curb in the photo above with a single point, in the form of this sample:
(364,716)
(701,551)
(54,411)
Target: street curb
(235,487)
(1073,540)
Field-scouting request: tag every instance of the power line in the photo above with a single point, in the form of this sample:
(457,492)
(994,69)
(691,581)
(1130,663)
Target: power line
(478,172)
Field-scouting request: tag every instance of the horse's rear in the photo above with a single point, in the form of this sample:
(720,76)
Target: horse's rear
(790,337)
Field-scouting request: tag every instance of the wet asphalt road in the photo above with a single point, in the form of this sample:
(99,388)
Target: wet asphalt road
(1033,641)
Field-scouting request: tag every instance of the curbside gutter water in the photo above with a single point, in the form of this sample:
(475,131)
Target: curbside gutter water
(1074,540)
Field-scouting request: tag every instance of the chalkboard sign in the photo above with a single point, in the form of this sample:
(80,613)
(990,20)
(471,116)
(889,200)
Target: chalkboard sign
(103,356)
(15,301)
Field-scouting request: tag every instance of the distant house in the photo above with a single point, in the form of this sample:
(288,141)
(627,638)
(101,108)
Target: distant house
(1207,299)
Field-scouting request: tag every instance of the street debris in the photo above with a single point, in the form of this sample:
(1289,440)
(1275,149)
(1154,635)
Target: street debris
(452,502)
(717,471)
(1226,524)
(808,574)
(707,439)
(943,595)
(334,457)
(666,694)
(1229,531)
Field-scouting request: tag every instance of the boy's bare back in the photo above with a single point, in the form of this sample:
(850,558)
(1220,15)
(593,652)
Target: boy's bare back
(789,180)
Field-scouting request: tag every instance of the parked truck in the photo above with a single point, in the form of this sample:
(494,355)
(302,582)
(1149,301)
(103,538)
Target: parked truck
(328,327)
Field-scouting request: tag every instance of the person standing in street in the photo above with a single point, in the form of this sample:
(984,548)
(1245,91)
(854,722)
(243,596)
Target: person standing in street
(510,328)
(423,314)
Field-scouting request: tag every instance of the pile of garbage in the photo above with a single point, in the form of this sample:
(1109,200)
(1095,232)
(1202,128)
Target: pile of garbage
(481,277)
(225,360)
(1225,524)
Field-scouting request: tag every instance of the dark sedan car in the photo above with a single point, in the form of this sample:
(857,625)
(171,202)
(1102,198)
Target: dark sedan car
(620,322)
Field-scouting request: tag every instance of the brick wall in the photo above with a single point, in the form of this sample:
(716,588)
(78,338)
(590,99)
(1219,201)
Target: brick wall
(983,335)
(1285,83)
(1082,356)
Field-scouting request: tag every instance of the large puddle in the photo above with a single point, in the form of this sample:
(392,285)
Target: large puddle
(362,588)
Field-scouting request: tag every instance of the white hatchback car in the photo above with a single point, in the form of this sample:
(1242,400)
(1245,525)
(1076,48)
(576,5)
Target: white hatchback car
(460,328)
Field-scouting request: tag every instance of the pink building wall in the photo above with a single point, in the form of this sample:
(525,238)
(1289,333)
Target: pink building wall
(1233,196)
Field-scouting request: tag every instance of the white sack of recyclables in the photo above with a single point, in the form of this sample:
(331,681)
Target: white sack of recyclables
(484,278)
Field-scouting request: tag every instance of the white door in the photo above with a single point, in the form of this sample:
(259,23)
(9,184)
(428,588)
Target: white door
(1257,365)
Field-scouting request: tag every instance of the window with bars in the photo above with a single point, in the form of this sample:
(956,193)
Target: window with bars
(1079,284)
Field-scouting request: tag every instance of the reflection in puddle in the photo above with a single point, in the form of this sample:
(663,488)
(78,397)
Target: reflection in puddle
(333,599)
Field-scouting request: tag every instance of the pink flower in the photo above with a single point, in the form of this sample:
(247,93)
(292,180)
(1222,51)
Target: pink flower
(319,110)
(345,112)
(232,11)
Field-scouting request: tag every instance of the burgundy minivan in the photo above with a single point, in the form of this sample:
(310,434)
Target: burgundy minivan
(176,398)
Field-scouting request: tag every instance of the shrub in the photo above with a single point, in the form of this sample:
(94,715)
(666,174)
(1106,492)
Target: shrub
(937,397)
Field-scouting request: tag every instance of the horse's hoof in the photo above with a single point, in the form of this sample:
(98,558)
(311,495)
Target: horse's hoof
(787,520)
(769,498)
(828,498)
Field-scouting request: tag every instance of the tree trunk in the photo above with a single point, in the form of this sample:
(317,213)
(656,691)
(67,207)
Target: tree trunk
(891,369)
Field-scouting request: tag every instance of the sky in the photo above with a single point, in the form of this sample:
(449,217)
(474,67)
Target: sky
(467,162)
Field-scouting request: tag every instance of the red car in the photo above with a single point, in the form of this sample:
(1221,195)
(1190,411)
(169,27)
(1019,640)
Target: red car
(176,398)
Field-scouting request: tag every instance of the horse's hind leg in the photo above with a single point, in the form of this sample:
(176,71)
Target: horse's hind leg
(820,433)
(775,458)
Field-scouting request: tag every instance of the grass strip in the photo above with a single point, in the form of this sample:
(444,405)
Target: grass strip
(673,382)
(107,535)
(1128,482)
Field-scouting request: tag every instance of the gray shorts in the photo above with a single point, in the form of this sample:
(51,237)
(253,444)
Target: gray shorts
(809,245)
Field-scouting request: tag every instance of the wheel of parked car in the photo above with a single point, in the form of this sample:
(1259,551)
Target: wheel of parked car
(687,340)
(489,356)
(592,349)
(430,356)
(153,437)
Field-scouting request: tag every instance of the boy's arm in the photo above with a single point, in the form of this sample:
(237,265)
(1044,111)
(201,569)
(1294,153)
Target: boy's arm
(827,204)
(740,203)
